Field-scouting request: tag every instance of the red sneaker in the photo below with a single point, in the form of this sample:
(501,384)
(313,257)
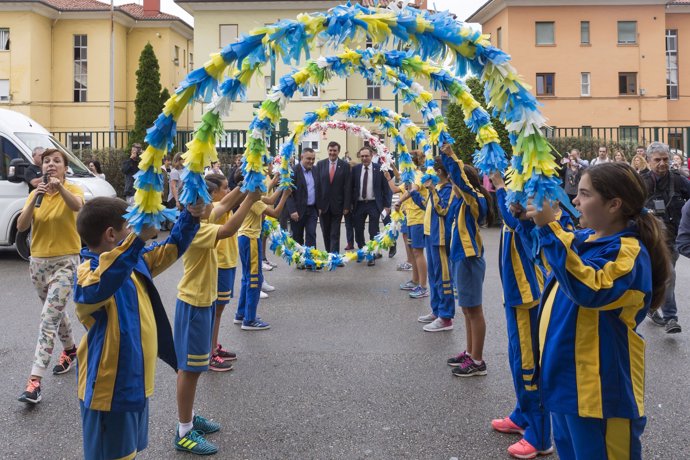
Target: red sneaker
(523,449)
(227,355)
(217,364)
(506,425)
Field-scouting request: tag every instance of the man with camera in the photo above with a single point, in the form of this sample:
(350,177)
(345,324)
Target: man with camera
(667,192)
(129,168)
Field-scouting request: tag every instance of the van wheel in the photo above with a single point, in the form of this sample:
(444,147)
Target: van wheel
(23,243)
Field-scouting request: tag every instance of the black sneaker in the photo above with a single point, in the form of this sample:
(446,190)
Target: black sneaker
(67,360)
(656,318)
(457,361)
(470,369)
(672,327)
(32,394)
(392,251)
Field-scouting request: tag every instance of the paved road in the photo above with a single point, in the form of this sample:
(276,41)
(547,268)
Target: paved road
(346,372)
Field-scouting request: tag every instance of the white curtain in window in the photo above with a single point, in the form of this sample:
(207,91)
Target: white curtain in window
(545,34)
(4,39)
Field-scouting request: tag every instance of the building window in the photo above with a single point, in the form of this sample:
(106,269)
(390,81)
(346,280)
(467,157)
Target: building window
(584,32)
(545,33)
(499,38)
(80,68)
(546,84)
(675,140)
(227,34)
(627,83)
(4,91)
(628,133)
(311,92)
(191,61)
(80,142)
(627,32)
(585,84)
(267,83)
(176,55)
(373,90)
(4,39)
(311,141)
(671,64)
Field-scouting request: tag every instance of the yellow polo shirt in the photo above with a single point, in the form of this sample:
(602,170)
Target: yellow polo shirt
(199,284)
(226,248)
(251,227)
(54,224)
(415,214)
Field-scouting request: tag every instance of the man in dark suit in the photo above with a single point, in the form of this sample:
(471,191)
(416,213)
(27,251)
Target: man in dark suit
(333,196)
(301,204)
(371,195)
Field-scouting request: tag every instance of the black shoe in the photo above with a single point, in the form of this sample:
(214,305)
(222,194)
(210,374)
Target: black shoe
(672,327)
(67,360)
(378,256)
(371,263)
(33,392)
(656,318)
(392,251)
(340,264)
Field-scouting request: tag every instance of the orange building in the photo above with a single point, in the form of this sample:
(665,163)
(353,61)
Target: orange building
(601,63)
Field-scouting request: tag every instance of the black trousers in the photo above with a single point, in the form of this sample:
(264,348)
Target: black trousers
(330,228)
(364,209)
(349,229)
(305,225)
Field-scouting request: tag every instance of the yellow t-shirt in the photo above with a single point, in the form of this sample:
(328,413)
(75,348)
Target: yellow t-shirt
(54,225)
(251,227)
(199,283)
(415,214)
(226,248)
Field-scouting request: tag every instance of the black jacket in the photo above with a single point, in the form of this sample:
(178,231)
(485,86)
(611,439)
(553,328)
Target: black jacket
(297,201)
(336,196)
(673,190)
(382,192)
(129,169)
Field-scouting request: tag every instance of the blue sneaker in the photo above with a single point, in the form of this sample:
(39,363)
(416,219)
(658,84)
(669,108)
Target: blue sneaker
(409,286)
(194,443)
(256,325)
(419,292)
(204,425)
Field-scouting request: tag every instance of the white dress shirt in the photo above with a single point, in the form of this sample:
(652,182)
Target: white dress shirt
(370,183)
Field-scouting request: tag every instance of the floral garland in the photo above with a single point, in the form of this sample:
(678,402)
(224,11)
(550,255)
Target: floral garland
(431,35)
(374,142)
(436,36)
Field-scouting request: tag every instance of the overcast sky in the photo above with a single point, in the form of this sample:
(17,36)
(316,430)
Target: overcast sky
(462,8)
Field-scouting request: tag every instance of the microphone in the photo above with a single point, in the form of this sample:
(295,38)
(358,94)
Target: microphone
(39,200)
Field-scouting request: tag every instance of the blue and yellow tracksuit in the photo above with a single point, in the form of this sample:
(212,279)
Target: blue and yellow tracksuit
(523,281)
(126,324)
(249,244)
(592,358)
(472,208)
(436,238)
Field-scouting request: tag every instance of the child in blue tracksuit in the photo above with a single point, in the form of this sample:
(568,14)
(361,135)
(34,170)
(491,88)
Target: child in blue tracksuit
(467,257)
(522,280)
(437,242)
(127,327)
(604,280)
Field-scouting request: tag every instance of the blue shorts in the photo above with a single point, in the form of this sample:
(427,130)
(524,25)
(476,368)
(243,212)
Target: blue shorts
(403,227)
(468,275)
(415,235)
(193,329)
(226,285)
(111,435)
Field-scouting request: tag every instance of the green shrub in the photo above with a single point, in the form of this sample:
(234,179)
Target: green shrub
(111,163)
(589,146)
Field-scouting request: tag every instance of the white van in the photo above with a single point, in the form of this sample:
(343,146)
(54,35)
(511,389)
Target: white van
(19,135)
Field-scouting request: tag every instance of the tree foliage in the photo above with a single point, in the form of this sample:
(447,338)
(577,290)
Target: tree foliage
(149,99)
(465,140)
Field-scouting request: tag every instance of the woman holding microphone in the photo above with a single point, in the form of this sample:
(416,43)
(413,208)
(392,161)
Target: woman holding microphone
(51,211)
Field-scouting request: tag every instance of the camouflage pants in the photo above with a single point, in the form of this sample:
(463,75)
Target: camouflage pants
(53,279)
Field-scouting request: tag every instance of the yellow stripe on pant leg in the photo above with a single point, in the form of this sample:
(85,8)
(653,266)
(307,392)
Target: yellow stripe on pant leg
(253,256)
(587,365)
(524,327)
(618,438)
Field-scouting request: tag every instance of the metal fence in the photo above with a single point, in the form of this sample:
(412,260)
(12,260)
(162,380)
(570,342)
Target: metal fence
(675,137)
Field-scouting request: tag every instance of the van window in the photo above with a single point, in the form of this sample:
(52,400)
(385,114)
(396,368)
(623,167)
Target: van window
(9,152)
(32,140)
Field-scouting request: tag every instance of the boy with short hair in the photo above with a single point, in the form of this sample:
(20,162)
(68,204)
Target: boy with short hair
(126,324)
(194,317)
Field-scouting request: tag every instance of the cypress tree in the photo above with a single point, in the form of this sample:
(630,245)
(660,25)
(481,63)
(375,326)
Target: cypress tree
(465,140)
(147,104)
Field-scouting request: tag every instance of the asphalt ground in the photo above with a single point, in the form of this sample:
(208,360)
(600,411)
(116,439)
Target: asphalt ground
(345,373)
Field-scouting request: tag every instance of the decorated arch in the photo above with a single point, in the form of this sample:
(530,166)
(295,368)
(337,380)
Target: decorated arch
(367,136)
(428,38)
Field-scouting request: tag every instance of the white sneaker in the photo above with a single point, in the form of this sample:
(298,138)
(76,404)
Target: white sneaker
(263,295)
(265,266)
(439,324)
(267,287)
(430,318)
